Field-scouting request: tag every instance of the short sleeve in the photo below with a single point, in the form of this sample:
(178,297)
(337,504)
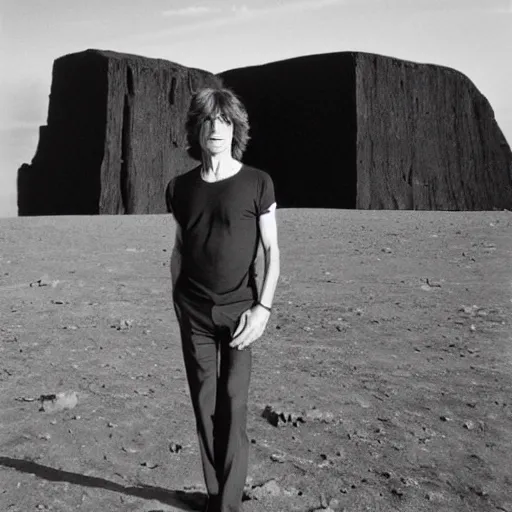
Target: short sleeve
(267,194)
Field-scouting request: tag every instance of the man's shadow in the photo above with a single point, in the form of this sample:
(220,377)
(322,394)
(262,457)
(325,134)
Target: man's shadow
(182,500)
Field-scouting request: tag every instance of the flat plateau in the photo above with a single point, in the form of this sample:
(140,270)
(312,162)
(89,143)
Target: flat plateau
(388,354)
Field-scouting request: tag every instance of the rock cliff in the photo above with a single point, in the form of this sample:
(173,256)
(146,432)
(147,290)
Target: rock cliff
(339,130)
(357,130)
(114,138)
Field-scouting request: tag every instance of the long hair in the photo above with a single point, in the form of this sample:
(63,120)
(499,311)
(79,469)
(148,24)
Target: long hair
(210,102)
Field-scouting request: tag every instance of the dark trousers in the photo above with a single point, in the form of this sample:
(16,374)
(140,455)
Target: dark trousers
(218,378)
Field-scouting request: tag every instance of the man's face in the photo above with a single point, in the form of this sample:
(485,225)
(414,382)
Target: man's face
(216,135)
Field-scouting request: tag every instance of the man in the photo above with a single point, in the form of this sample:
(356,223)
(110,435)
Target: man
(222,208)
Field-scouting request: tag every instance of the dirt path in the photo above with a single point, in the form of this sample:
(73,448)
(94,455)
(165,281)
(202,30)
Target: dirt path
(389,352)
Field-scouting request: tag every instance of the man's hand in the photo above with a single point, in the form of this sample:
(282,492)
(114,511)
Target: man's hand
(250,327)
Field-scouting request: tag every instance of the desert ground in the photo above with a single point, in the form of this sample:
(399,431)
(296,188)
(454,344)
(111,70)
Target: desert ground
(385,369)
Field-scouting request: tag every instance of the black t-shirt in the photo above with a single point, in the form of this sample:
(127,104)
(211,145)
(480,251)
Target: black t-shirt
(219,223)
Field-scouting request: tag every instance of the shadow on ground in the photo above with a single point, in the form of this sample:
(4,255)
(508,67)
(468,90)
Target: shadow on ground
(182,500)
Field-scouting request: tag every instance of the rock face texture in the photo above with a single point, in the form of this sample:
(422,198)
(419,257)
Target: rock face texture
(340,130)
(356,130)
(114,137)
(303,127)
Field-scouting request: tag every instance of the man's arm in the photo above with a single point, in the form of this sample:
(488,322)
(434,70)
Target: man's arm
(268,232)
(253,321)
(176,257)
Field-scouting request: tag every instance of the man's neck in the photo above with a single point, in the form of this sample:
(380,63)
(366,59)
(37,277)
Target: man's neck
(219,167)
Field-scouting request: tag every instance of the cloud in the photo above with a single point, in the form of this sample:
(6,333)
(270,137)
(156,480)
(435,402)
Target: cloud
(234,14)
(189,20)
(244,12)
(190,11)
(280,7)
(458,5)
(504,8)
(305,5)
(410,5)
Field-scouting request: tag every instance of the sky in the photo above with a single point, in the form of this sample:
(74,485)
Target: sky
(472,36)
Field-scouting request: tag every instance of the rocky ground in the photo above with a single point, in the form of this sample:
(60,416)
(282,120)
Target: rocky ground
(383,382)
